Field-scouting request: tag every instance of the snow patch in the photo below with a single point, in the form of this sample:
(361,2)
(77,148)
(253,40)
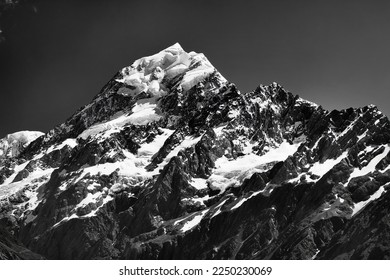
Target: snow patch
(370,167)
(70,142)
(111,126)
(198,74)
(188,141)
(367,150)
(321,169)
(199,183)
(239,203)
(37,176)
(244,199)
(11,144)
(230,172)
(219,130)
(17,169)
(91,214)
(149,149)
(194,221)
(218,207)
(131,167)
(360,205)
(360,137)
(345,131)
(233,113)
(145,111)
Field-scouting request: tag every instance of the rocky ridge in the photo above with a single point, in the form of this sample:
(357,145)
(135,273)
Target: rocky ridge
(171,161)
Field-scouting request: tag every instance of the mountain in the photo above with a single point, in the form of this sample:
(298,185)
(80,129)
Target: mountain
(172,161)
(13,144)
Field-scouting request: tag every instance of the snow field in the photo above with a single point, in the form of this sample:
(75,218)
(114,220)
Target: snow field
(231,172)
(370,167)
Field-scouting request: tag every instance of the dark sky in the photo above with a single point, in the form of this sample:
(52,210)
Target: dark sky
(54,60)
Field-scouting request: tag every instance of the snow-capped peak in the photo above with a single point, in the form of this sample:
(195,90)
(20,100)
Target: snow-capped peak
(12,144)
(151,74)
(176,47)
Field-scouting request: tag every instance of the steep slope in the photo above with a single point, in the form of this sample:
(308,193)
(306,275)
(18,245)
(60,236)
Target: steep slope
(13,144)
(11,249)
(170,160)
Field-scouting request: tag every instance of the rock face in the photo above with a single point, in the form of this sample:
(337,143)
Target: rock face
(171,161)
(12,249)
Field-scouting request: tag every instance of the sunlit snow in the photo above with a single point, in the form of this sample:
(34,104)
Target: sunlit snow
(8,188)
(370,167)
(188,141)
(12,142)
(199,183)
(149,149)
(144,112)
(70,142)
(194,221)
(143,74)
(230,172)
(321,169)
(360,205)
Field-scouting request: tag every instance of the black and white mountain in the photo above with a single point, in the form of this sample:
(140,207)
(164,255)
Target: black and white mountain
(14,143)
(172,161)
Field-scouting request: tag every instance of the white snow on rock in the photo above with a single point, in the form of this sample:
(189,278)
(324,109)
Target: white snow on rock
(367,150)
(234,113)
(144,112)
(91,214)
(66,219)
(360,137)
(133,166)
(231,172)
(149,149)
(111,126)
(239,203)
(219,130)
(244,199)
(165,59)
(38,176)
(188,141)
(315,254)
(350,127)
(199,183)
(194,221)
(218,207)
(130,167)
(70,142)
(146,74)
(90,198)
(197,199)
(198,74)
(321,169)
(360,205)
(17,169)
(12,144)
(301,100)
(329,210)
(370,167)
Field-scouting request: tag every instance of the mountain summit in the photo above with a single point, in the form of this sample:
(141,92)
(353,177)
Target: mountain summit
(171,161)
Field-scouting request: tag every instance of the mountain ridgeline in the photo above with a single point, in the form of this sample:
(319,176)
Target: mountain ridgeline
(172,161)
